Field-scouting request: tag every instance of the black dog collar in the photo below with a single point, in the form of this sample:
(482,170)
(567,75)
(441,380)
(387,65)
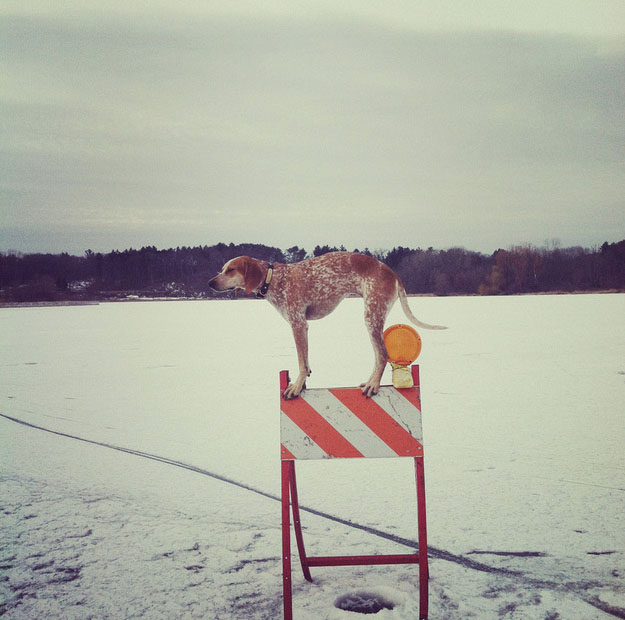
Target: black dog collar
(265,287)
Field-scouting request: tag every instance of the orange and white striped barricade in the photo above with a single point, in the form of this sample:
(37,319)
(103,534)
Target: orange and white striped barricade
(341,423)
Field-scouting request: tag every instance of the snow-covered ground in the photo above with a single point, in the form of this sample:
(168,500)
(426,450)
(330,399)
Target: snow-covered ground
(523,420)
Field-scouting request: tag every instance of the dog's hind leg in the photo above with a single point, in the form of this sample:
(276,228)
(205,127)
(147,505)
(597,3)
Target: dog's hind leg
(376,309)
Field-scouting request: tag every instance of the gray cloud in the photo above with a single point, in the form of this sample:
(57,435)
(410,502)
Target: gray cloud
(197,129)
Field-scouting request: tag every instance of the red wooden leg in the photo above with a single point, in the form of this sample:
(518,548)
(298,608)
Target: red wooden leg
(286,543)
(423,545)
(297,525)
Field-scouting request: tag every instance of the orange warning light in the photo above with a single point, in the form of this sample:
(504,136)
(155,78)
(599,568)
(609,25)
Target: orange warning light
(403,344)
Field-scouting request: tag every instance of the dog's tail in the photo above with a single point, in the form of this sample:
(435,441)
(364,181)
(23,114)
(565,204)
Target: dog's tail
(403,299)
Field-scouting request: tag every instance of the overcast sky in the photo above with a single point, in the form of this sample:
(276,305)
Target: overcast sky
(480,124)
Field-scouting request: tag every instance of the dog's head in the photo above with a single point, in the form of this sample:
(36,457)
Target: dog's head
(242,272)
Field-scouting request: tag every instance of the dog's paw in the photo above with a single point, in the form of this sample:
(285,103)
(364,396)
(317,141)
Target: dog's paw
(370,388)
(292,391)
(289,393)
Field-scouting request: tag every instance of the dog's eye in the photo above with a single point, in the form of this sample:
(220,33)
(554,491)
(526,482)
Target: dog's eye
(230,270)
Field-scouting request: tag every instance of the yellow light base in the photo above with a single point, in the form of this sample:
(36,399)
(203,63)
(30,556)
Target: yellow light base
(402,376)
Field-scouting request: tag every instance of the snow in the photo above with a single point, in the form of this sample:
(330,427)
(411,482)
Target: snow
(523,402)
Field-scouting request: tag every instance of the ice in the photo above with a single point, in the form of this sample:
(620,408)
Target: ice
(523,403)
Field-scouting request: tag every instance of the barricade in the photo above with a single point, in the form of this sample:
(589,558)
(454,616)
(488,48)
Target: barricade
(341,423)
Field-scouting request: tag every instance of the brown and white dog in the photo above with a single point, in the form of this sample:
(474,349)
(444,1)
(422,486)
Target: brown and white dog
(313,288)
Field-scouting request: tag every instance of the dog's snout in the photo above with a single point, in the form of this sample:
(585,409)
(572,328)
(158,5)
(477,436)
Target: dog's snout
(213,283)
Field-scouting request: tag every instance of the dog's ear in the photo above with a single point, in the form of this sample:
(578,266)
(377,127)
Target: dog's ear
(252,275)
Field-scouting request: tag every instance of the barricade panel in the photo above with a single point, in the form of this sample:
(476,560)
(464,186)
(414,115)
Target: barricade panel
(328,423)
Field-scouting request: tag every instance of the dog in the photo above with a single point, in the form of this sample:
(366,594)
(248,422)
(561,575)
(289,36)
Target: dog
(313,288)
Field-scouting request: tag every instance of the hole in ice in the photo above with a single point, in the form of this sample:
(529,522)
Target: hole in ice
(363,602)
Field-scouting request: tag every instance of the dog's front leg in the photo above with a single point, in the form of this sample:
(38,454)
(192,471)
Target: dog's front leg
(300,333)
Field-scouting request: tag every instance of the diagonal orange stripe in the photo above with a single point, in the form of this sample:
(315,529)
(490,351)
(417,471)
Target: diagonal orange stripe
(285,453)
(380,422)
(320,431)
(412,395)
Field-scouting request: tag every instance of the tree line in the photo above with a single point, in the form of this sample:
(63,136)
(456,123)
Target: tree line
(185,271)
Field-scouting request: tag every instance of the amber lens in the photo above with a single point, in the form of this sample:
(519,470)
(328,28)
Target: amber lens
(403,344)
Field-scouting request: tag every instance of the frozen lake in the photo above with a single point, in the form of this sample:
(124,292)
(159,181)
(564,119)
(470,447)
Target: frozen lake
(523,406)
